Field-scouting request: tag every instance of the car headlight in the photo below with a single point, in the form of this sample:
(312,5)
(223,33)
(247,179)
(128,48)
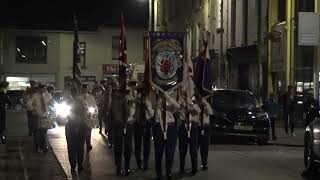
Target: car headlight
(63,109)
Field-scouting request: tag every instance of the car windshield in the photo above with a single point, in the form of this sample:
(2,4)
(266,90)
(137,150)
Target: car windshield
(234,99)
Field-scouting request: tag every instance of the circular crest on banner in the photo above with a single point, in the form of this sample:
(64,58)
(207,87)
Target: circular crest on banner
(166,62)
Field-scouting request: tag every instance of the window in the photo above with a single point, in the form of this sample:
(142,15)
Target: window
(82,46)
(282,10)
(31,50)
(115,47)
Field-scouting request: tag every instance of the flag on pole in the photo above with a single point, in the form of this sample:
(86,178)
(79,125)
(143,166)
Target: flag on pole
(146,81)
(203,74)
(76,57)
(188,70)
(123,58)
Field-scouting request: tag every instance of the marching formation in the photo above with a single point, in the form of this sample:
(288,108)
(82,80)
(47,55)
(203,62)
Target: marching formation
(133,117)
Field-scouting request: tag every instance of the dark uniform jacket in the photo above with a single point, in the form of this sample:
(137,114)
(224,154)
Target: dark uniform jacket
(119,110)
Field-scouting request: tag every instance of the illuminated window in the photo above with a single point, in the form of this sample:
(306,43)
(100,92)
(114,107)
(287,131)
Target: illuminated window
(31,49)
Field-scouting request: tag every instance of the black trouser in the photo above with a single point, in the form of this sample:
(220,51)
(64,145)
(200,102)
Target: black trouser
(76,137)
(273,129)
(204,141)
(192,141)
(2,120)
(88,138)
(142,134)
(161,145)
(288,119)
(102,118)
(109,128)
(40,139)
(123,145)
(29,116)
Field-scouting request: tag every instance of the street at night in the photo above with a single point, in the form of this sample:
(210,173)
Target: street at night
(231,161)
(160,90)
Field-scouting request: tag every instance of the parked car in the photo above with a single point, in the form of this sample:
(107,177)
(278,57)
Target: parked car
(16,98)
(238,113)
(312,143)
(60,109)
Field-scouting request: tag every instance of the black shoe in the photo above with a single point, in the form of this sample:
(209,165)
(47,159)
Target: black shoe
(119,172)
(127,172)
(3,139)
(73,171)
(89,148)
(45,150)
(194,172)
(36,150)
(204,168)
(80,169)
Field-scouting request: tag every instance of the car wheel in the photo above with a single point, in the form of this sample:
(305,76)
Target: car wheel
(309,156)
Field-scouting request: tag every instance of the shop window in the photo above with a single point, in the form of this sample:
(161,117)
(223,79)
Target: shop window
(31,49)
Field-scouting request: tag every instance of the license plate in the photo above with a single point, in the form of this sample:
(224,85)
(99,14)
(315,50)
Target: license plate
(243,128)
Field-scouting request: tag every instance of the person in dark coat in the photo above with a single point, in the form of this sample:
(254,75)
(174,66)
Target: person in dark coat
(272,109)
(288,101)
(4,99)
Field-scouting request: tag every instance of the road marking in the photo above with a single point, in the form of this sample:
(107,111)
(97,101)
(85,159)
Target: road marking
(25,171)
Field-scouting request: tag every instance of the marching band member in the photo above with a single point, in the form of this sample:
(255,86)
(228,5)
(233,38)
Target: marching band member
(188,134)
(119,113)
(91,109)
(204,132)
(142,129)
(165,132)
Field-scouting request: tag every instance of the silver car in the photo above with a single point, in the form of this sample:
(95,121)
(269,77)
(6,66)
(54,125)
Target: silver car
(312,145)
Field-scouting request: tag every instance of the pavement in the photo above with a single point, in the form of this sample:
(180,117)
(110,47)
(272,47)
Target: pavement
(17,162)
(234,160)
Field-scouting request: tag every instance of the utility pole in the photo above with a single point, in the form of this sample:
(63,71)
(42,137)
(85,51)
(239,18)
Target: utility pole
(259,73)
(220,60)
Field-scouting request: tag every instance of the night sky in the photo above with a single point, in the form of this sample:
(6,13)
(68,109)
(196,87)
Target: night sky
(58,15)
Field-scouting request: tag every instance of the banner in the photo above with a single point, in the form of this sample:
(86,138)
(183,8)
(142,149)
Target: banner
(166,60)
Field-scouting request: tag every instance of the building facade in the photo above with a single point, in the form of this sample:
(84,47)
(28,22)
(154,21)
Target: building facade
(47,56)
(233,28)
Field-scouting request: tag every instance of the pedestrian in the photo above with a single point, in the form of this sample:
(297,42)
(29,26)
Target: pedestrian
(288,101)
(272,109)
(40,120)
(165,132)
(204,131)
(76,131)
(106,108)
(99,95)
(26,97)
(142,129)
(188,134)
(119,113)
(91,108)
(4,99)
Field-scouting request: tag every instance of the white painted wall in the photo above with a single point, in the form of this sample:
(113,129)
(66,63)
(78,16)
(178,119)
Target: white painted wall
(60,52)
